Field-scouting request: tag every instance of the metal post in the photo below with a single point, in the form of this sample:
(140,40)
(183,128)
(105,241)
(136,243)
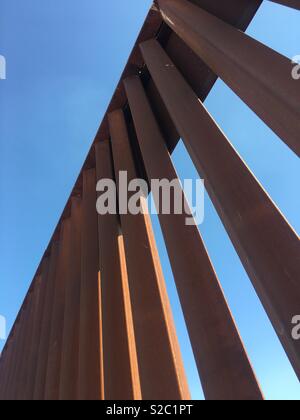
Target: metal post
(161,370)
(57,322)
(256,73)
(43,351)
(265,242)
(205,309)
(90,341)
(70,344)
(121,376)
(289,3)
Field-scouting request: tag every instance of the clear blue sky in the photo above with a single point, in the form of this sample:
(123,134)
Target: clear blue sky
(64,59)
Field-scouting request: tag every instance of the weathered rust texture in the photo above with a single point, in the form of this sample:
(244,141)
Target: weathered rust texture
(21,376)
(32,341)
(260,76)
(57,322)
(222,362)
(70,346)
(161,370)
(90,383)
(267,245)
(121,376)
(37,329)
(290,3)
(17,334)
(42,360)
(6,365)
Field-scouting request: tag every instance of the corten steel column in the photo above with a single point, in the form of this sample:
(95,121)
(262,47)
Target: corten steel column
(8,371)
(24,350)
(31,356)
(70,346)
(6,364)
(42,360)
(121,376)
(3,371)
(10,379)
(19,342)
(259,75)
(90,341)
(290,3)
(161,369)
(57,322)
(222,362)
(265,242)
(37,328)
(9,356)
(10,383)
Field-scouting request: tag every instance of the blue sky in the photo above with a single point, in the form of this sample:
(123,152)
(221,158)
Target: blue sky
(63,62)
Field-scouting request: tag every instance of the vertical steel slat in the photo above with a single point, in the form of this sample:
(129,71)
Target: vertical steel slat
(260,76)
(161,369)
(267,245)
(223,365)
(43,351)
(90,347)
(57,321)
(70,344)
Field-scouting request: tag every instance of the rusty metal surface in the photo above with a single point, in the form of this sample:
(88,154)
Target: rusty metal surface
(267,245)
(257,74)
(236,12)
(121,376)
(37,329)
(58,312)
(290,3)
(68,388)
(20,382)
(29,352)
(42,361)
(161,369)
(223,365)
(90,381)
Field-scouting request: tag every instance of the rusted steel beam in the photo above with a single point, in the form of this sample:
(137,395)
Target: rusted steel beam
(90,341)
(6,365)
(70,345)
(267,245)
(3,372)
(17,335)
(261,77)
(295,4)
(43,351)
(21,375)
(121,376)
(33,341)
(223,364)
(161,369)
(57,321)
(36,330)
